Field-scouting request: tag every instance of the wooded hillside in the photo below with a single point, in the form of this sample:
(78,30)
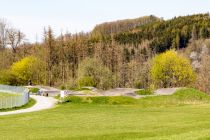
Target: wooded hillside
(115,54)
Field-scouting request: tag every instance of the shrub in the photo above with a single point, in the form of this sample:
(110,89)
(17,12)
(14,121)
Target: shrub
(73,99)
(171,70)
(92,72)
(7,78)
(62,87)
(86,81)
(27,68)
(34,90)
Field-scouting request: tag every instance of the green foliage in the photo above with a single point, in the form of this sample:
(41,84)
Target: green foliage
(34,90)
(62,87)
(105,30)
(27,68)
(118,100)
(7,78)
(92,72)
(171,70)
(144,92)
(164,35)
(73,99)
(86,81)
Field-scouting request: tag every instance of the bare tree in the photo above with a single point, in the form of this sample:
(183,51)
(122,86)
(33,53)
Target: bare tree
(3,33)
(14,38)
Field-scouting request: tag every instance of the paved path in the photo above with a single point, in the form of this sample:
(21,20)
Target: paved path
(41,104)
(131,92)
(166,91)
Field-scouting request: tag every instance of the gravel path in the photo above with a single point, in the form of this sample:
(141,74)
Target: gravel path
(41,104)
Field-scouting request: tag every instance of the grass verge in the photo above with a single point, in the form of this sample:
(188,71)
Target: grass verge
(144,92)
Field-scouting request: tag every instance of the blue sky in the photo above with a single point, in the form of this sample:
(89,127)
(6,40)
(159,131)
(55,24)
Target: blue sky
(31,16)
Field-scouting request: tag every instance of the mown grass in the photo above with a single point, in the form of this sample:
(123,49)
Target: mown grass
(144,92)
(118,100)
(150,118)
(181,97)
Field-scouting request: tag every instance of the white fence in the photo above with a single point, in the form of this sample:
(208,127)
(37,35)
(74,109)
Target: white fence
(20,98)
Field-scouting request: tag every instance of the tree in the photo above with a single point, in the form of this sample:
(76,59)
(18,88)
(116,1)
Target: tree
(203,32)
(92,71)
(176,42)
(203,79)
(49,42)
(3,34)
(171,70)
(194,34)
(28,68)
(14,38)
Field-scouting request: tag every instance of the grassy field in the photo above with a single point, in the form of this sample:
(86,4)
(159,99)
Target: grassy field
(183,116)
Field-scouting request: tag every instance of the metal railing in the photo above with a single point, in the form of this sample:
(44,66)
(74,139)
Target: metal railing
(20,97)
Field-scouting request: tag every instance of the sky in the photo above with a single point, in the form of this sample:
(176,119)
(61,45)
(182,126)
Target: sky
(31,16)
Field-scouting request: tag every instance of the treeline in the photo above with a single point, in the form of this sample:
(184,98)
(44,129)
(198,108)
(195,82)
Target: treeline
(116,54)
(164,35)
(109,28)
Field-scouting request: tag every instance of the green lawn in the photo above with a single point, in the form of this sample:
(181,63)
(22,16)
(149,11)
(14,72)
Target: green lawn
(153,118)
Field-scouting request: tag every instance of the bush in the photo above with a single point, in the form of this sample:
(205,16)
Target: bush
(27,68)
(73,99)
(34,90)
(92,72)
(7,78)
(144,92)
(62,87)
(171,70)
(86,81)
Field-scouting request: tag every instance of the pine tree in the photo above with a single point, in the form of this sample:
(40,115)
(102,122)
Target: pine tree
(194,35)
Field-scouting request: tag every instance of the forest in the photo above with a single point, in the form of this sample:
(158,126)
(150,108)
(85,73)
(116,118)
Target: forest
(122,53)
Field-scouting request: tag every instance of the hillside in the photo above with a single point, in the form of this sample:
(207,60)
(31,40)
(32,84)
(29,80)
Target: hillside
(115,54)
(119,26)
(173,33)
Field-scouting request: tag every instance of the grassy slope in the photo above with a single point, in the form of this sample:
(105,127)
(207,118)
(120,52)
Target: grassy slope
(113,122)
